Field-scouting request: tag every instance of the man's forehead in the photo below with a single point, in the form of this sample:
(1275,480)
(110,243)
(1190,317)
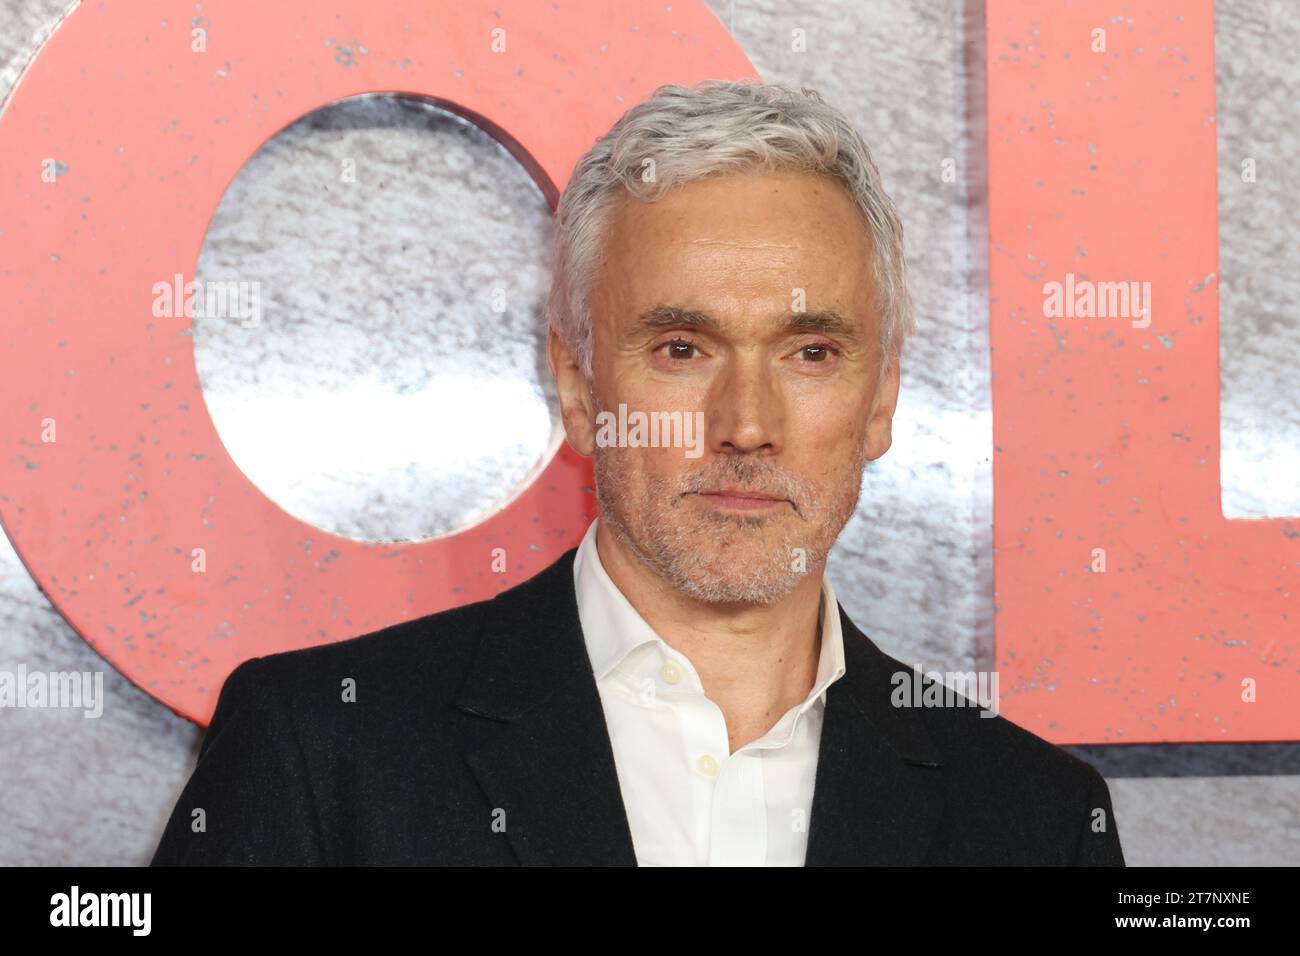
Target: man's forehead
(678,262)
(750,208)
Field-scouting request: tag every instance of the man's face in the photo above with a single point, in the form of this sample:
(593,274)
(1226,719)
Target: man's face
(748,298)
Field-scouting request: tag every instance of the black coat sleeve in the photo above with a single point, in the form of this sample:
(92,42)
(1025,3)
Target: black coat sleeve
(251,785)
(1099,833)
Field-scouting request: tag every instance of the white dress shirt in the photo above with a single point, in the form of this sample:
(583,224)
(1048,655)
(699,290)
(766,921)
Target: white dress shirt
(689,801)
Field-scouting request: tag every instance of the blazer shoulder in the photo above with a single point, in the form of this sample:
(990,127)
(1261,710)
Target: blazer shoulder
(444,641)
(980,743)
(968,734)
(423,657)
(414,669)
(1010,780)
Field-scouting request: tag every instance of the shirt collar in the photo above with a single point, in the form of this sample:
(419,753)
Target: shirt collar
(612,627)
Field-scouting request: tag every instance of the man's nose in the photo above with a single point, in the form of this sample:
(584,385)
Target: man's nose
(745,411)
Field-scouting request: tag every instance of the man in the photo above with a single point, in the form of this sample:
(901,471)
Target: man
(683,688)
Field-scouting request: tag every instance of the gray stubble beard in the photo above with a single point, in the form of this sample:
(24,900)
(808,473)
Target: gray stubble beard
(673,549)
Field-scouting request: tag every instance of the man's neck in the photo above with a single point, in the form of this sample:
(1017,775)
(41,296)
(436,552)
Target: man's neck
(755,662)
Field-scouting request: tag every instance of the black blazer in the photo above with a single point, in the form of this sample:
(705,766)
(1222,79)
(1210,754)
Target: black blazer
(477,737)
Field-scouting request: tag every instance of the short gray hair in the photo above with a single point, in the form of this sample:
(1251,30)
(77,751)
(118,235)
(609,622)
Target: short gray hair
(717,127)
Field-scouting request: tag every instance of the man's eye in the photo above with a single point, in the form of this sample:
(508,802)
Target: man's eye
(679,349)
(820,352)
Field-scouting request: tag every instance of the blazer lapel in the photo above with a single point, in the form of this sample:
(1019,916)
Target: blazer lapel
(877,796)
(542,753)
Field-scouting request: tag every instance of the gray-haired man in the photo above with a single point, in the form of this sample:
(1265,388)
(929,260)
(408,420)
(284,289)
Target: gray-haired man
(683,688)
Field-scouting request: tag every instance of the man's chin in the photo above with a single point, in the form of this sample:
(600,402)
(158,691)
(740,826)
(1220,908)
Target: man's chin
(730,589)
(741,565)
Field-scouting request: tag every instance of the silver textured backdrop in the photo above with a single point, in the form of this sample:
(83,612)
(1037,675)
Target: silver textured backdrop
(365,309)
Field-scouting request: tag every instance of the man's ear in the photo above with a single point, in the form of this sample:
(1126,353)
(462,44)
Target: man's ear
(880,424)
(577,407)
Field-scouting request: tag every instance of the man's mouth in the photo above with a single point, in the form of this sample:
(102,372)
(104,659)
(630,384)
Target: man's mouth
(742,499)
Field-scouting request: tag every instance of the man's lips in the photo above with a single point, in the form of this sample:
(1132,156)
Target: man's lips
(742,499)
(744,493)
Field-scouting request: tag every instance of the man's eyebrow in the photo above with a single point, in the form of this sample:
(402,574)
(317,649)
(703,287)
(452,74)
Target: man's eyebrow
(671,317)
(823,321)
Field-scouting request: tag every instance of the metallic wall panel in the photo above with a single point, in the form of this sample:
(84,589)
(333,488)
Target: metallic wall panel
(914,567)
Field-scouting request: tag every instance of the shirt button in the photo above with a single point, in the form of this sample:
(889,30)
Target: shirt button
(707,766)
(671,672)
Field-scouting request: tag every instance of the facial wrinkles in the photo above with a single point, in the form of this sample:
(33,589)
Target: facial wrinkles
(758,258)
(723,256)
